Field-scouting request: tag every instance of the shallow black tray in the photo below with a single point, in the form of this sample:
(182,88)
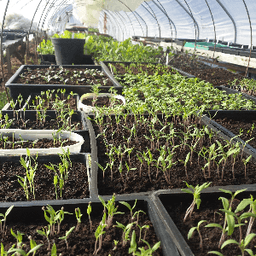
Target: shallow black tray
(170,197)
(26,89)
(32,213)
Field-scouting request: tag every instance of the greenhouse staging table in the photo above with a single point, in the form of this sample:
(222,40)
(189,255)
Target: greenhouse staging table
(11,49)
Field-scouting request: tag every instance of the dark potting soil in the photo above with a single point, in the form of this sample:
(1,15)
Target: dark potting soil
(76,185)
(52,124)
(11,143)
(216,76)
(246,128)
(69,76)
(102,102)
(130,176)
(210,211)
(81,241)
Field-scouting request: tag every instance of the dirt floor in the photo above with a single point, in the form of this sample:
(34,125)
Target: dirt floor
(16,63)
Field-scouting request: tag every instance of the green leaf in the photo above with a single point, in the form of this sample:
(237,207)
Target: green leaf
(215,252)
(214,225)
(248,239)
(230,241)
(191,231)
(243,204)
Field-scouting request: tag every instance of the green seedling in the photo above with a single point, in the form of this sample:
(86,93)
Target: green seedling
(196,191)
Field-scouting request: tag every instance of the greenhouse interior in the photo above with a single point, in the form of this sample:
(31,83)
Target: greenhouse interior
(127,127)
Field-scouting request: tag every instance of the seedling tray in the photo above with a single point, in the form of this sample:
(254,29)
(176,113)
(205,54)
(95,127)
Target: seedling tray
(172,199)
(78,116)
(32,214)
(209,116)
(84,158)
(26,89)
(104,65)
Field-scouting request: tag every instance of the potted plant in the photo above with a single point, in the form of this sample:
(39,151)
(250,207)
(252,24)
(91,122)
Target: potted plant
(69,49)
(46,50)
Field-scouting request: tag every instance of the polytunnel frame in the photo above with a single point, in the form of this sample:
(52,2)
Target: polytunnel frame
(191,16)
(153,15)
(118,27)
(231,18)
(121,18)
(162,9)
(1,47)
(214,28)
(117,22)
(110,18)
(135,17)
(59,10)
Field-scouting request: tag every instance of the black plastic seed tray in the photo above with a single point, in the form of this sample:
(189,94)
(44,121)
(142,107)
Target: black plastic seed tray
(26,89)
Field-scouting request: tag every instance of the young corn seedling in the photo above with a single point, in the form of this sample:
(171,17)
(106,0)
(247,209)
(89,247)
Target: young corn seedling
(146,227)
(3,219)
(30,164)
(67,235)
(228,225)
(246,161)
(143,251)
(19,238)
(78,217)
(129,207)
(191,231)
(126,231)
(196,192)
(99,235)
(89,210)
(111,209)
(45,232)
(59,217)
(250,213)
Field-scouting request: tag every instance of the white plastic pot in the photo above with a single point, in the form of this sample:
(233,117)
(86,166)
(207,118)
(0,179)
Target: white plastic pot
(33,135)
(90,109)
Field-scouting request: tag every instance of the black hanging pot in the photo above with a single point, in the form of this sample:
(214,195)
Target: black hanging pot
(68,51)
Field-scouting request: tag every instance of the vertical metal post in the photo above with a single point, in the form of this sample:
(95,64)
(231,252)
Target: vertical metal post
(248,14)
(105,23)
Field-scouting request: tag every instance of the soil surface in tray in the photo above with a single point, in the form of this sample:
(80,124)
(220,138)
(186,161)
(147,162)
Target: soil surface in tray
(246,129)
(210,211)
(68,76)
(52,124)
(81,241)
(102,102)
(76,185)
(11,143)
(130,174)
(216,76)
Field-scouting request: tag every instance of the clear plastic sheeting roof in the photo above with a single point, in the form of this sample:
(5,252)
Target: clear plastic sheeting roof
(188,19)
(227,20)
